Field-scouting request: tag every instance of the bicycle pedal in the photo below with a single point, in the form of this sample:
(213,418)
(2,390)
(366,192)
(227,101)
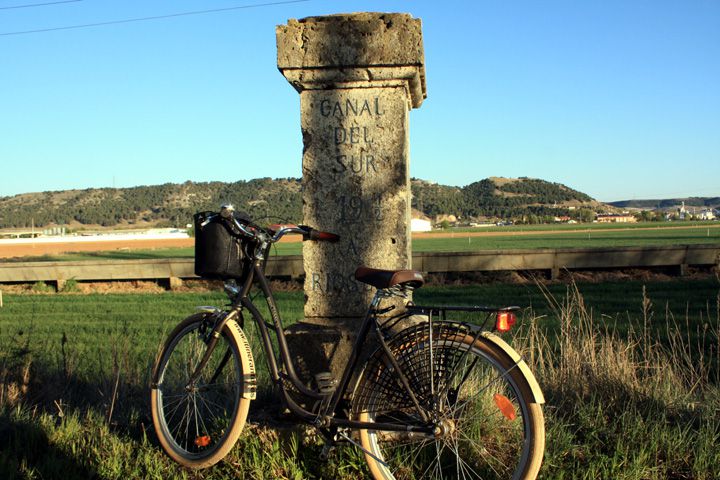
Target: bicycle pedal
(325,382)
(327,450)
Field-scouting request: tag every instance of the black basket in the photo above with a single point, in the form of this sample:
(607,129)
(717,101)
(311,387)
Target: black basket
(219,253)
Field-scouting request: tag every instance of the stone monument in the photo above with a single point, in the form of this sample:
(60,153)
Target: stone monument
(358,76)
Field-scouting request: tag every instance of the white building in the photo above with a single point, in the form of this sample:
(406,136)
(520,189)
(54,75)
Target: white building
(420,225)
(707,214)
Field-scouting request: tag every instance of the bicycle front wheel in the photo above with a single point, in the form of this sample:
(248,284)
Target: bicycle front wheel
(197,423)
(486,424)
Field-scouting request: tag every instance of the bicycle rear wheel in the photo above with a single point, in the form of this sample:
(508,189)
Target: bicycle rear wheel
(197,424)
(486,422)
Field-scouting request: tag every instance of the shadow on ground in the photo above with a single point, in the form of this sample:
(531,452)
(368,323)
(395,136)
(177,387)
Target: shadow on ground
(26,452)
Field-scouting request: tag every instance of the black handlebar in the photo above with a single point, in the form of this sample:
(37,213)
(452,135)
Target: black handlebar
(244,227)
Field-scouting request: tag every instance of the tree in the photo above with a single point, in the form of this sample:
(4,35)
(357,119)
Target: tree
(644,216)
(586,215)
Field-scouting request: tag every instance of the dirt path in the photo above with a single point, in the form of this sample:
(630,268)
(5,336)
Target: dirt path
(36,250)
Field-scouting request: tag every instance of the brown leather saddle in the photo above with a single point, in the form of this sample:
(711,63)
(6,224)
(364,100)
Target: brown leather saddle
(389,278)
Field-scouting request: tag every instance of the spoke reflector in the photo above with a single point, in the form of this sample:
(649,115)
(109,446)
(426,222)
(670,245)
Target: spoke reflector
(202,441)
(506,407)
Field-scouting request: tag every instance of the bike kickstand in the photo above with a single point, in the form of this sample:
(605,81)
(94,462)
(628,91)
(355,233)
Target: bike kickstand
(366,451)
(329,443)
(325,453)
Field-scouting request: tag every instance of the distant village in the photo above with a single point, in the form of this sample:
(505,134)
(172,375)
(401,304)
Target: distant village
(418,223)
(422,223)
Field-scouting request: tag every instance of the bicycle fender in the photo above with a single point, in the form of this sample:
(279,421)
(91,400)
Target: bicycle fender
(538,396)
(246,358)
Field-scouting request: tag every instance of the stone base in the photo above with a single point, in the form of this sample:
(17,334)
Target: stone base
(321,346)
(325,344)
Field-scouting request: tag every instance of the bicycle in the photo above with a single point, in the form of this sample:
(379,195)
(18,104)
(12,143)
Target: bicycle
(437,398)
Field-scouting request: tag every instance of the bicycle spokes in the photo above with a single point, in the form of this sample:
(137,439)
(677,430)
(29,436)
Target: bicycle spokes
(197,413)
(480,422)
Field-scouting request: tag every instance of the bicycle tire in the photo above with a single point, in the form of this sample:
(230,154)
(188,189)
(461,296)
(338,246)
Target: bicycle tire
(475,438)
(213,414)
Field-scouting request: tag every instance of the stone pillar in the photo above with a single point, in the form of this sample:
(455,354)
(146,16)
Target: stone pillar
(358,76)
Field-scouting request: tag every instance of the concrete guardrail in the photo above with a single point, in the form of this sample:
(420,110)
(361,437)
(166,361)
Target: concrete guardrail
(553,260)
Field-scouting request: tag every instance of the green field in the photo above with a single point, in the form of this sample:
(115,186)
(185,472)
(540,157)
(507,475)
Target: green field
(502,238)
(558,227)
(629,370)
(518,238)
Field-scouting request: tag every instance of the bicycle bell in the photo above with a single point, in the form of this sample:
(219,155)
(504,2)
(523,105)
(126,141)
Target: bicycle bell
(226,210)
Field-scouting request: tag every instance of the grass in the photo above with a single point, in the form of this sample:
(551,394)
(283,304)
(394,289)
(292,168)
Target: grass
(510,237)
(516,238)
(629,371)
(129,254)
(629,405)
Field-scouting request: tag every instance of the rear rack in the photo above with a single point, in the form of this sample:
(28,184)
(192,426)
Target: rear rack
(437,310)
(441,312)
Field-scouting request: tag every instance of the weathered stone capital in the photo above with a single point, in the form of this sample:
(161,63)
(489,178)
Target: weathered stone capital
(354,50)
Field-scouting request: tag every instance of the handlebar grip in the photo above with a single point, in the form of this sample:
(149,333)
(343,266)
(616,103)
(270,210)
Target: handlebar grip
(321,236)
(327,237)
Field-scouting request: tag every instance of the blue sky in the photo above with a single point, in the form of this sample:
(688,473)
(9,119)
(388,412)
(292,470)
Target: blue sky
(618,99)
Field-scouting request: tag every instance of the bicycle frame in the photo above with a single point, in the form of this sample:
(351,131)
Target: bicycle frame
(282,369)
(321,419)
(437,382)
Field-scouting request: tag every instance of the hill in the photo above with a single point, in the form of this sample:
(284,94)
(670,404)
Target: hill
(522,199)
(158,205)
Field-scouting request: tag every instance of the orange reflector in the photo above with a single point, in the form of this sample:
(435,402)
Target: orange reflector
(203,441)
(506,407)
(505,321)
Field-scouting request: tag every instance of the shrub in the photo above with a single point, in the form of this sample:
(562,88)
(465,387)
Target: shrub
(42,287)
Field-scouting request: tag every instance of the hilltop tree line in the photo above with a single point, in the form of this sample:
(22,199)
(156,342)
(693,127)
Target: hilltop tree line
(275,200)
(531,200)
(161,205)
(700,202)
